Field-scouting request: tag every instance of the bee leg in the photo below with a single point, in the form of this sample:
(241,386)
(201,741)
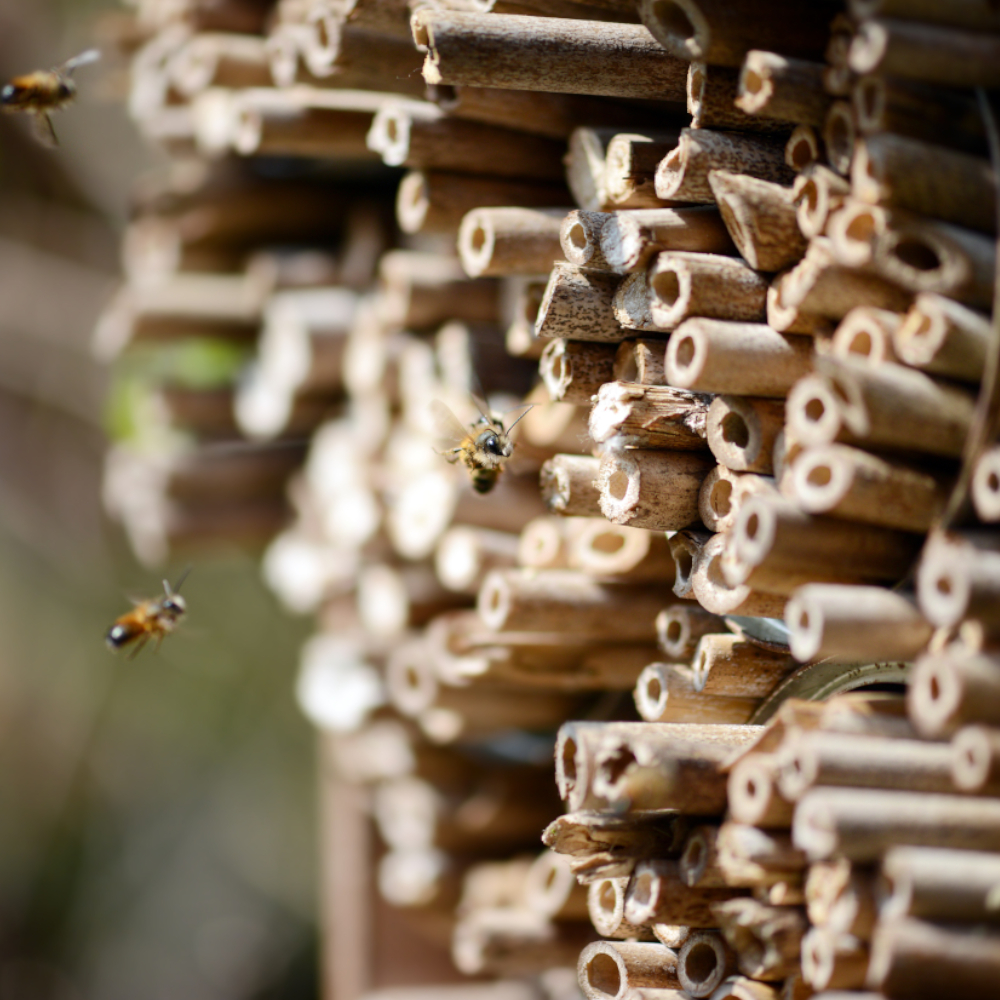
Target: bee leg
(138,647)
(44,131)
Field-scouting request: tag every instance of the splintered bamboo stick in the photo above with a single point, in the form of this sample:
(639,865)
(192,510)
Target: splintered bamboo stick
(717,32)
(580,237)
(714,593)
(435,201)
(679,628)
(502,241)
(761,219)
(683,285)
(629,239)
(920,960)
(555,55)
(741,431)
(730,666)
(746,359)
(657,490)
(573,370)
(577,306)
(609,550)
(666,692)
(683,173)
(606,906)
(948,691)
(847,482)
(775,86)
(608,970)
(568,485)
(630,167)
(854,624)
(975,765)
(943,337)
(766,939)
(648,416)
(862,823)
(656,894)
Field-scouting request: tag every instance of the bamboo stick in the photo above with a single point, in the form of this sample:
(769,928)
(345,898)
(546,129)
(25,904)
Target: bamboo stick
(721,495)
(742,988)
(686,547)
(608,550)
(775,86)
(577,306)
(608,970)
(703,962)
(711,97)
(986,486)
(761,219)
(748,856)
(943,337)
(803,148)
(958,579)
(630,239)
(574,371)
(714,593)
(656,894)
(651,489)
(548,54)
(863,823)
(790,319)
(630,167)
(639,361)
(683,173)
(606,905)
(648,417)
(975,765)
(854,624)
(741,431)
(580,238)
(215,59)
(684,285)
(632,304)
(730,666)
(754,796)
(551,890)
(745,359)
(465,555)
(833,961)
(568,485)
(766,939)
(949,691)
(585,163)
(818,193)
(698,865)
(840,134)
(966,15)
(666,692)
(679,628)
(503,241)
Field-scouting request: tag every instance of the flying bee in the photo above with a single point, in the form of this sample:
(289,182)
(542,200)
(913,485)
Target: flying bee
(483,447)
(44,91)
(151,619)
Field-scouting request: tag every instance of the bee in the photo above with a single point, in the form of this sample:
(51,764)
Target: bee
(149,619)
(43,91)
(483,447)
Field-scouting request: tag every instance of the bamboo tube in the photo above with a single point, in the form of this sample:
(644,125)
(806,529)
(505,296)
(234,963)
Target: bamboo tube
(465,555)
(944,338)
(950,185)
(854,624)
(629,239)
(678,629)
(585,162)
(639,361)
(608,550)
(417,877)
(833,961)
(715,594)
(867,333)
(568,485)
(666,692)
(941,885)
(711,96)
(862,823)
(502,241)
(671,765)
(215,59)
(686,546)
(802,150)
(919,960)
(920,111)
(492,884)
(630,167)
(648,416)
(816,758)
(818,192)
(790,319)
(719,499)
(651,489)
(683,173)
(740,988)
(775,546)
(656,894)
(754,797)
(775,86)
(608,970)
(965,15)
(698,865)
(425,139)
(683,285)
(975,764)
(632,304)
(721,33)
(434,201)
(551,890)
(741,431)
(520,300)
(838,76)
(577,306)
(732,667)
(574,371)
(847,482)
(935,54)
(600,845)
(580,238)
(839,136)
(746,359)
(563,601)
(751,857)
(554,55)
(985,487)
(576,750)
(606,906)
(761,219)
(766,939)
(958,579)
(949,691)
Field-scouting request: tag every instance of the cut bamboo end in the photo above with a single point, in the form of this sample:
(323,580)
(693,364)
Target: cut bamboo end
(679,628)
(975,764)
(943,337)
(613,551)
(818,192)
(609,970)
(505,241)
(606,908)
(986,486)
(754,797)
(775,86)
(626,415)
(703,962)
(575,371)
(577,305)
(580,238)
(715,594)
(802,149)
(948,692)
(568,485)
(741,431)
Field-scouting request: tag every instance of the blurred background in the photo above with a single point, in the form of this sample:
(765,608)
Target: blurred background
(157,823)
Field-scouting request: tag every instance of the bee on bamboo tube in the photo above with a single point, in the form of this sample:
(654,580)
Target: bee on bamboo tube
(44,91)
(152,619)
(484,447)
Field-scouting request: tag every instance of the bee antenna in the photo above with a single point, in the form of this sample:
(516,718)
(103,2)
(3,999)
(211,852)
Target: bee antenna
(180,581)
(527,409)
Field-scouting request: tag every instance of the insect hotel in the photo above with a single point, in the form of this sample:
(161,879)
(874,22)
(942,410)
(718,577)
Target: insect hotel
(701,696)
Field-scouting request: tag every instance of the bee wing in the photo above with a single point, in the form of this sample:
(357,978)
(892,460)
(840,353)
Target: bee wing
(91,55)
(448,426)
(42,127)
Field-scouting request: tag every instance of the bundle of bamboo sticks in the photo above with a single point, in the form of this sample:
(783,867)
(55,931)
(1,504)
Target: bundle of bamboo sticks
(750,249)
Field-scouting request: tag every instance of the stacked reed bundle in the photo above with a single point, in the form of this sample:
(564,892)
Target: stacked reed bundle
(778,333)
